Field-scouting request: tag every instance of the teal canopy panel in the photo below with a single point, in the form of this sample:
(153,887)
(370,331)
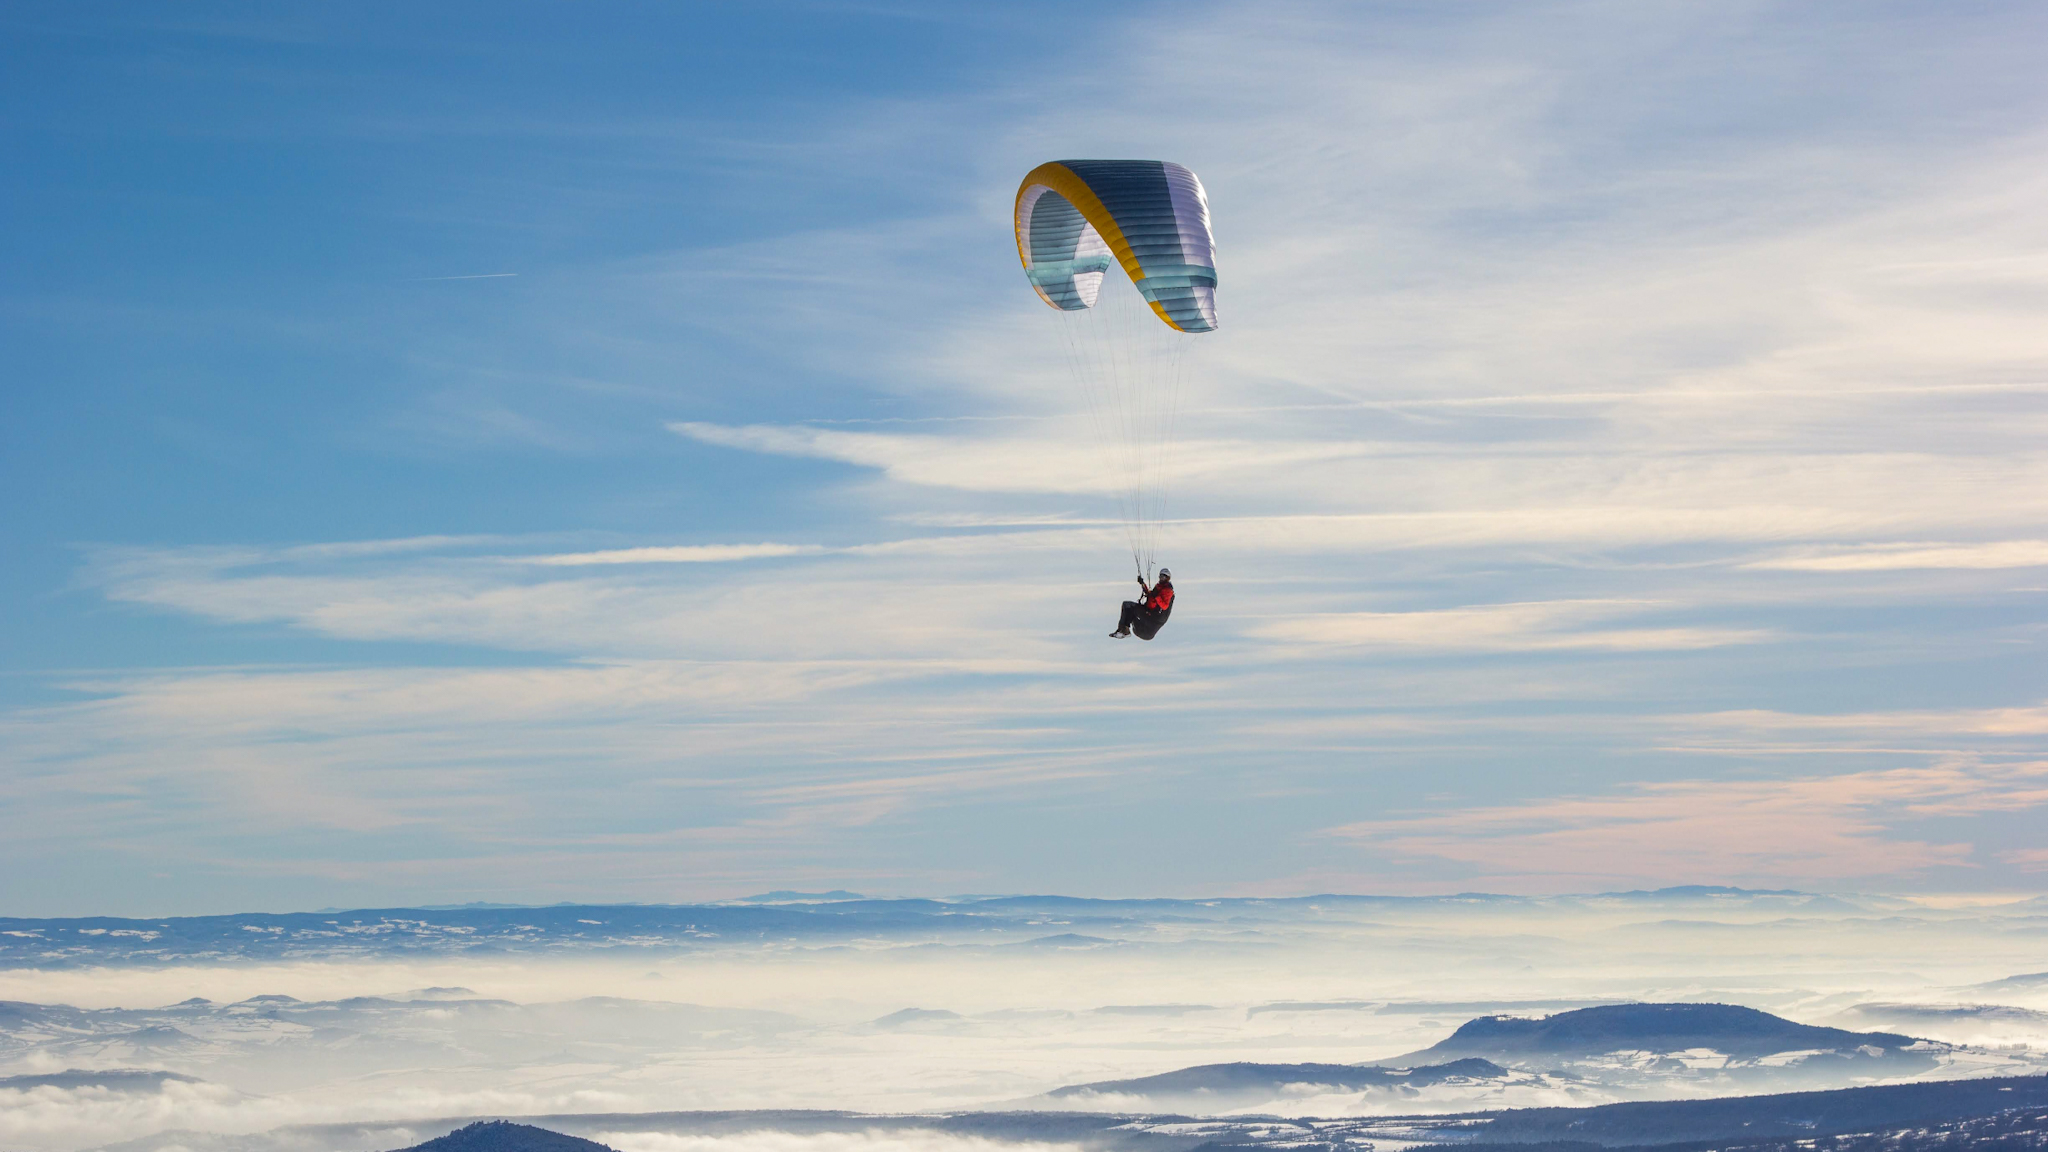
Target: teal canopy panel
(1150,216)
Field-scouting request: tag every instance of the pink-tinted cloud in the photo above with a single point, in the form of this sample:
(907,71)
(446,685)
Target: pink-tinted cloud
(1830,828)
(2031,859)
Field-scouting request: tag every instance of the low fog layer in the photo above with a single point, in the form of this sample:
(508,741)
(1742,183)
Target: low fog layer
(899,1006)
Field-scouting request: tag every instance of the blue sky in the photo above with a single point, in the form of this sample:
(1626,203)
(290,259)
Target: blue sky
(1620,464)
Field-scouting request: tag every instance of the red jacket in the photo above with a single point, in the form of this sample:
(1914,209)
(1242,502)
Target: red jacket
(1161,599)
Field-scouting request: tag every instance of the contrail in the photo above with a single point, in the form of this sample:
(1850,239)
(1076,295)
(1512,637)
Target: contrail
(478,276)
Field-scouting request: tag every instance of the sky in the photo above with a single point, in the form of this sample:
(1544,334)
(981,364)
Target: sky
(525,452)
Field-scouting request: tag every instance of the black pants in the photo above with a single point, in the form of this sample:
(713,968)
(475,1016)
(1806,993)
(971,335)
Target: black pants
(1145,621)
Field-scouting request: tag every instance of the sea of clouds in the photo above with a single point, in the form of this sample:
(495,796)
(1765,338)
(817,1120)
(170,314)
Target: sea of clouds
(897,1021)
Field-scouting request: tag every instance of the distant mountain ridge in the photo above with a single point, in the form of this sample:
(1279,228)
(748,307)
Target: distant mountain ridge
(506,1136)
(1622,1050)
(1729,1029)
(108,1079)
(783,916)
(1223,1081)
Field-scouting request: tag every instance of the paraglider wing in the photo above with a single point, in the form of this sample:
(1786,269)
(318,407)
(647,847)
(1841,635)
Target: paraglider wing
(1150,216)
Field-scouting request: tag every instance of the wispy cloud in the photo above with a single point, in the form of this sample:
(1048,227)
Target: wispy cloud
(2030,859)
(676,554)
(1534,627)
(1068,460)
(1832,826)
(1894,557)
(2029,720)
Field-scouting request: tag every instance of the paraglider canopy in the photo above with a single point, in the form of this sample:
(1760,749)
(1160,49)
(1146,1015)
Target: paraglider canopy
(1150,216)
